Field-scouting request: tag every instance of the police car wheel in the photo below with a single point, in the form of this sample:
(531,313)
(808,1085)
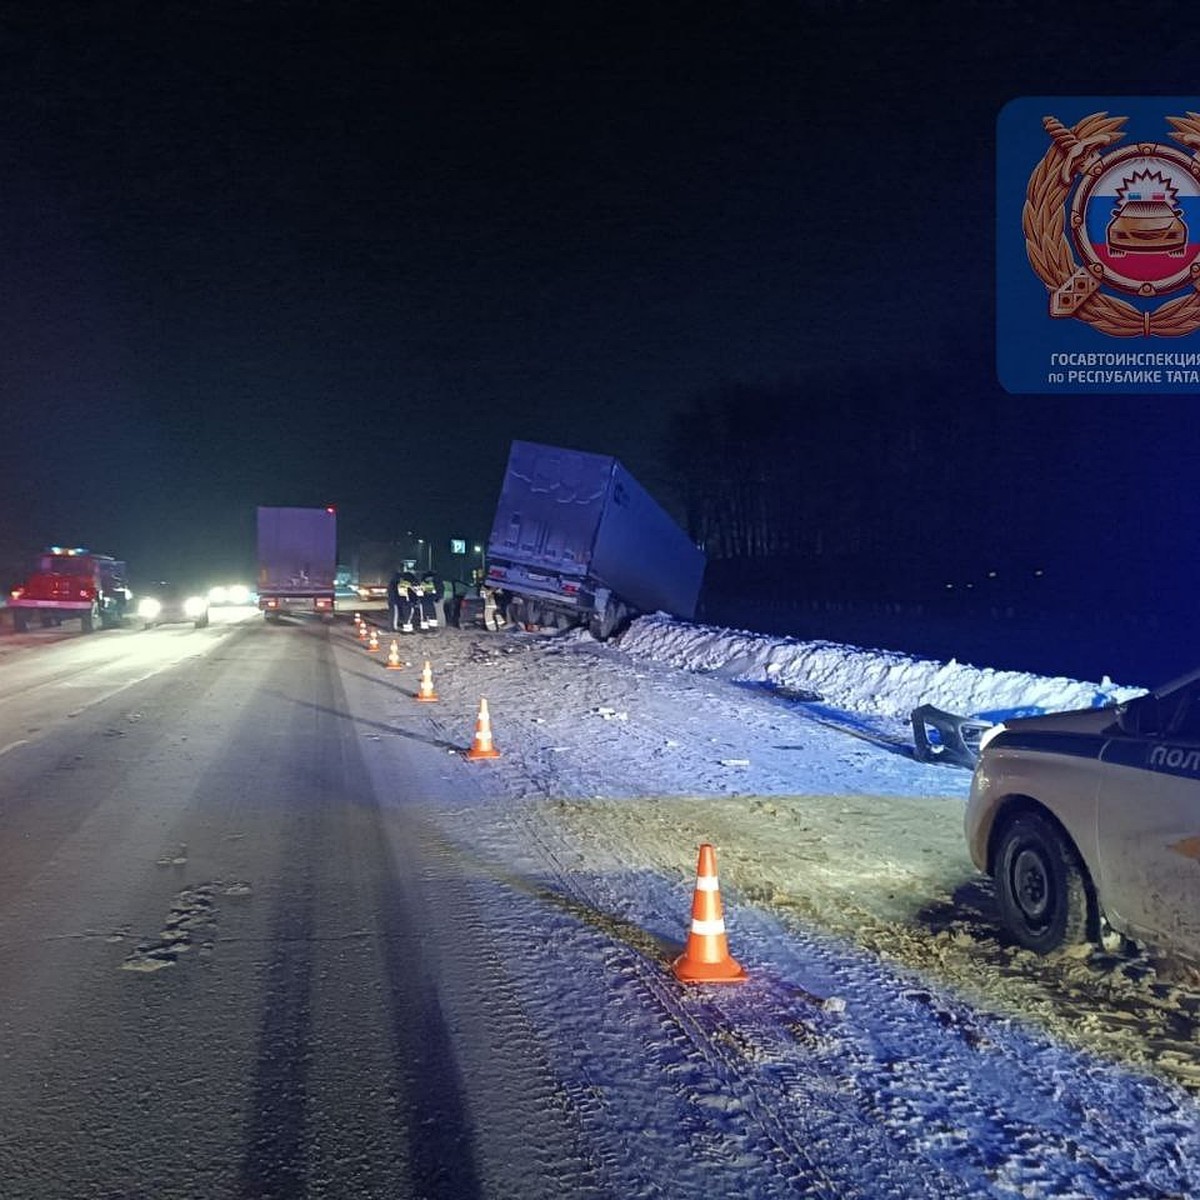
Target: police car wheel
(1040,885)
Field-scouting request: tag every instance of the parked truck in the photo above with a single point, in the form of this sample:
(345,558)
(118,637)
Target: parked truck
(297,561)
(578,541)
(374,564)
(69,583)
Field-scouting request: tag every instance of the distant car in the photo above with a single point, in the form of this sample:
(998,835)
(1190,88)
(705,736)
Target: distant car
(168,604)
(1089,822)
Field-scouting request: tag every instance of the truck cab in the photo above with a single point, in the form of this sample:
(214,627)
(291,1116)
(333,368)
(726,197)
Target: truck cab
(69,583)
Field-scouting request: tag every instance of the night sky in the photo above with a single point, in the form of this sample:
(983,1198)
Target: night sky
(266,253)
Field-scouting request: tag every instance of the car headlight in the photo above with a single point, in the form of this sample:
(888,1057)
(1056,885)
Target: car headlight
(992,731)
(238,594)
(217,595)
(194,606)
(149,608)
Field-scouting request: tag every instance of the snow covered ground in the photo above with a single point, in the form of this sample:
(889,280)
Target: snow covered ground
(869,682)
(890,1041)
(887,1042)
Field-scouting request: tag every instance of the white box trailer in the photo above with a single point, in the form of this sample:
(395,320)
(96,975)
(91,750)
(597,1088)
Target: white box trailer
(577,540)
(297,561)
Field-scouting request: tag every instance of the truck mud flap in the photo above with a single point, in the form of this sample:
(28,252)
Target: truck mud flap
(942,737)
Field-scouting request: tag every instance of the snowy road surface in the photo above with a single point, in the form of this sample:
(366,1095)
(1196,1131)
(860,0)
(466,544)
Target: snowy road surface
(265,933)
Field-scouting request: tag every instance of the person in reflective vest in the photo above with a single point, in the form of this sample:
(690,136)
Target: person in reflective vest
(407,590)
(431,600)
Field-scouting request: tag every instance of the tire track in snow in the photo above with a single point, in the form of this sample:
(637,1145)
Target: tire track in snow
(934,1103)
(799,1129)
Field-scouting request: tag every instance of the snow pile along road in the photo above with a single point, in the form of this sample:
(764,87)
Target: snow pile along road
(883,683)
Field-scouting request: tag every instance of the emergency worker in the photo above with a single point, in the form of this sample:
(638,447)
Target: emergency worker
(494,603)
(393,599)
(431,600)
(407,591)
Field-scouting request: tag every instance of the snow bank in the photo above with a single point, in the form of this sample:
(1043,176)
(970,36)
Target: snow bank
(873,682)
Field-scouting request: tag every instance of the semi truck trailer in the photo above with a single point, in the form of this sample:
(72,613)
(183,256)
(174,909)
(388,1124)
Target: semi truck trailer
(297,561)
(577,540)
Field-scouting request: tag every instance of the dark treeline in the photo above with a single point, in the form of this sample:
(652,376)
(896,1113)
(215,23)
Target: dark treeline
(1055,535)
(844,488)
(854,485)
(796,470)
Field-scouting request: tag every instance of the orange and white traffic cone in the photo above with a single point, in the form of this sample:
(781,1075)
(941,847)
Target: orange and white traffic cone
(362,631)
(373,642)
(425,692)
(482,746)
(706,957)
(394,661)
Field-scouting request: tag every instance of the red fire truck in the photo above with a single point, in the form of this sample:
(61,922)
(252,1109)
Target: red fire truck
(68,583)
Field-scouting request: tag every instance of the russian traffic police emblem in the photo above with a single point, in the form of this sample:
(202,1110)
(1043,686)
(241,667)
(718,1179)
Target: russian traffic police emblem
(1133,218)
(1098,244)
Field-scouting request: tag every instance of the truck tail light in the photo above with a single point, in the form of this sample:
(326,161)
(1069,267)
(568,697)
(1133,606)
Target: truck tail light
(570,589)
(324,602)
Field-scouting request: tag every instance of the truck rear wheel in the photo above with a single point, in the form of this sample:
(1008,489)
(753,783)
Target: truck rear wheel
(20,620)
(602,625)
(515,613)
(88,620)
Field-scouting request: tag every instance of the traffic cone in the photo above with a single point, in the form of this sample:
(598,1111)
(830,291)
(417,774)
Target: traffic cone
(394,662)
(482,746)
(362,631)
(373,643)
(426,692)
(706,957)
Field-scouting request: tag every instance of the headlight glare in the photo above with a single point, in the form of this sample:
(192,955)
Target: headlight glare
(148,608)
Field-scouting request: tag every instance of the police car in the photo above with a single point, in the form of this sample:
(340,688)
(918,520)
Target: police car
(1089,822)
